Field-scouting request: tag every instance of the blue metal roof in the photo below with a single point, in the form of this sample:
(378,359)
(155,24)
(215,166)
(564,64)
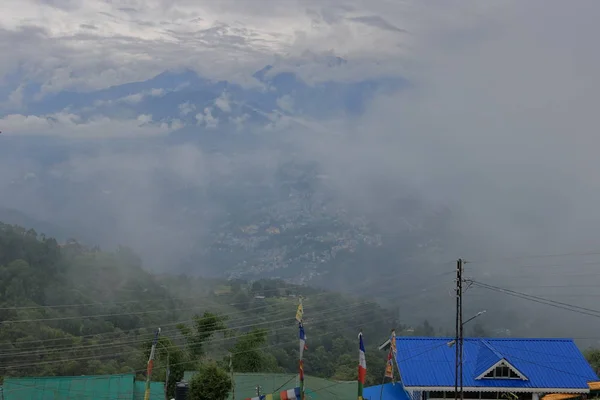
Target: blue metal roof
(547,363)
(390,392)
(487,356)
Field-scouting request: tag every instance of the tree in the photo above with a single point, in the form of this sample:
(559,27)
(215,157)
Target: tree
(241,300)
(346,369)
(593,357)
(248,355)
(375,366)
(257,287)
(204,328)
(210,383)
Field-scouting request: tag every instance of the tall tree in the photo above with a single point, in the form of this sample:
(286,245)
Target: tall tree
(248,356)
(211,383)
(203,329)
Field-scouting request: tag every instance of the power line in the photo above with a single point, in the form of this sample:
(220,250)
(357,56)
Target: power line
(253,324)
(236,327)
(131,313)
(148,335)
(103,346)
(532,256)
(248,317)
(297,289)
(162,310)
(387,280)
(541,300)
(187,362)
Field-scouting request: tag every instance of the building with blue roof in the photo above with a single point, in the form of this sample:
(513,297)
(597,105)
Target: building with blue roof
(498,368)
(389,392)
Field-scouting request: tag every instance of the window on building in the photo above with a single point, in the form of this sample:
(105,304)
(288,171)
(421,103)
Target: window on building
(436,395)
(471,395)
(502,371)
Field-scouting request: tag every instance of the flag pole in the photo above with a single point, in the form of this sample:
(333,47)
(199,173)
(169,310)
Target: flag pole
(362,366)
(391,358)
(150,365)
(232,376)
(302,336)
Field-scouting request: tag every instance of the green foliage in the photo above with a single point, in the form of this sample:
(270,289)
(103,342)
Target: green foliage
(593,357)
(248,355)
(211,383)
(114,306)
(203,329)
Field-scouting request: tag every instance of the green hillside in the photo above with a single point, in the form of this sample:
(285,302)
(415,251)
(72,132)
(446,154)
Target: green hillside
(72,310)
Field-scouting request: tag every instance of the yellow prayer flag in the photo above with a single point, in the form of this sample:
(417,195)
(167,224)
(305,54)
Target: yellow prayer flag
(299,313)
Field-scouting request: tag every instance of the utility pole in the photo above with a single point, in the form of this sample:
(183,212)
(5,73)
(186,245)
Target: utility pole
(458,340)
(150,365)
(232,376)
(462,336)
(258,390)
(167,377)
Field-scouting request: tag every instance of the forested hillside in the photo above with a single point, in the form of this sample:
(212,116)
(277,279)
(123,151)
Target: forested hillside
(67,309)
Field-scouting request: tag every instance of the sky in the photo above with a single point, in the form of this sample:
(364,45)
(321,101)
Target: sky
(499,122)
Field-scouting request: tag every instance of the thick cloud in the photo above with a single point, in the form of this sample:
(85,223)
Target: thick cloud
(79,44)
(500,124)
(69,125)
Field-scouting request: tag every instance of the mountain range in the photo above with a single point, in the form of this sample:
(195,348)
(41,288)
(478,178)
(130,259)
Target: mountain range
(249,206)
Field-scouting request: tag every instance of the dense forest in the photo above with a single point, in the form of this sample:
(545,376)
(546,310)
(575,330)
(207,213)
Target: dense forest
(67,309)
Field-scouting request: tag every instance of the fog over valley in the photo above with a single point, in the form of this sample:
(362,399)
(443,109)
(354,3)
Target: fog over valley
(360,147)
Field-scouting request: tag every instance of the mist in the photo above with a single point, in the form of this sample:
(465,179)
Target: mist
(491,153)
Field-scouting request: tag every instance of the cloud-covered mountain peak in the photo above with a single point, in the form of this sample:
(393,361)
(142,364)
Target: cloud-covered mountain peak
(178,98)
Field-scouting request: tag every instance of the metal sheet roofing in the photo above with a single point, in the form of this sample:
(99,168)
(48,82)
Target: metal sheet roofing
(157,390)
(547,363)
(390,392)
(487,356)
(97,387)
(109,387)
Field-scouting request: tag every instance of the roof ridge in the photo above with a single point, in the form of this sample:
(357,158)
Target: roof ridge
(492,348)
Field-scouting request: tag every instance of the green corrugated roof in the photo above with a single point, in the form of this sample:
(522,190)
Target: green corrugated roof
(157,390)
(97,387)
(315,388)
